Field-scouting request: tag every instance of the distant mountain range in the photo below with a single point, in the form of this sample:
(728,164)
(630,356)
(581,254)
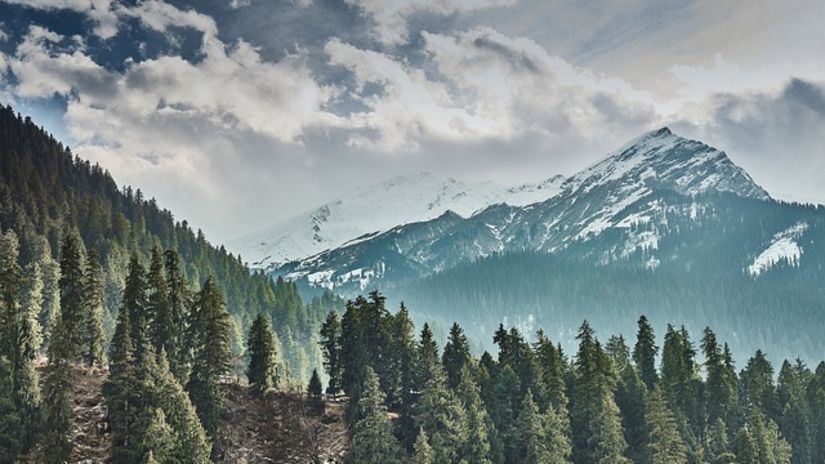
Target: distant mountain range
(663,225)
(622,195)
(376,208)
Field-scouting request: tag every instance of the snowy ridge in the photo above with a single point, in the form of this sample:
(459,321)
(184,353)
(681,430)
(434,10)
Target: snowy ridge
(623,198)
(372,209)
(783,248)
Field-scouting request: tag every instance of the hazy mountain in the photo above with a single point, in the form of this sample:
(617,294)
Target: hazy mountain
(623,195)
(376,208)
(664,225)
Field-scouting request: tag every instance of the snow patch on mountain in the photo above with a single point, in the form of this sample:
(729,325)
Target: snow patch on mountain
(783,248)
(366,211)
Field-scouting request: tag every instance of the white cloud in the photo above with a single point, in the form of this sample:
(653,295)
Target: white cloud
(391,16)
(100,12)
(483,85)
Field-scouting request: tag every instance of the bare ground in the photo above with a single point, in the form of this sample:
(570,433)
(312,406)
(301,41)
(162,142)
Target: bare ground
(276,428)
(280,428)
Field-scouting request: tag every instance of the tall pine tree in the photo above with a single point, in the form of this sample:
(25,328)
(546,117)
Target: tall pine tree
(212,355)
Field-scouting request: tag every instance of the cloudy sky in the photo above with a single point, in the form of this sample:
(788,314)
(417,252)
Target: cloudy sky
(238,113)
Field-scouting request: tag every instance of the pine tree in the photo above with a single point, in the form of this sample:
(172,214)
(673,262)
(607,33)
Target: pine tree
(119,390)
(177,347)
(315,392)
(666,445)
(423,450)
(93,297)
(535,439)
(372,439)
(193,446)
(134,303)
(212,355)
(717,449)
(31,305)
(10,282)
(644,352)
(456,355)
(757,384)
(72,308)
(10,423)
(795,420)
(553,364)
(404,353)
(427,356)
(57,390)
(721,390)
(50,310)
(261,348)
(630,398)
(18,338)
(743,444)
(503,406)
(158,439)
(557,435)
(597,429)
(681,383)
(159,314)
(479,425)
(441,416)
(331,347)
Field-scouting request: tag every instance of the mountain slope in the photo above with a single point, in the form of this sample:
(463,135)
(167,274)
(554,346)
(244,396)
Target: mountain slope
(664,226)
(622,196)
(46,191)
(376,208)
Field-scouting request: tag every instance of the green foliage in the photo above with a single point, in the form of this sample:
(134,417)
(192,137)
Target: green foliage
(93,324)
(423,451)
(721,392)
(210,334)
(456,355)
(331,347)
(261,348)
(158,438)
(644,352)
(666,444)
(477,448)
(72,301)
(315,392)
(10,439)
(441,416)
(47,193)
(372,439)
(537,437)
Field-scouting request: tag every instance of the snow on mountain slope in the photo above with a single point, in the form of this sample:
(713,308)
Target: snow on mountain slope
(783,248)
(376,208)
(625,194)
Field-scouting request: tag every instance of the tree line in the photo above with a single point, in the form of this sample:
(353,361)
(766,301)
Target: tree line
(47,192)
(681,402)
(167,360)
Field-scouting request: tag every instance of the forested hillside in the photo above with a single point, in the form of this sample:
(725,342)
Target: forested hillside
(698,274)
(47,192)
(671,398)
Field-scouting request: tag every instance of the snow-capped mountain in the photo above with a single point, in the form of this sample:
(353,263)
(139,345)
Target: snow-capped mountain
(622,207)
(376,208)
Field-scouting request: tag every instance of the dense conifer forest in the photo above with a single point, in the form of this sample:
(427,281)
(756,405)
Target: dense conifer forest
(669,398)
(47,193)
(98,283)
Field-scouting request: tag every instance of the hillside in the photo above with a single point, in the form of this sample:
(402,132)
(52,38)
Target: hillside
(665,225)
(279,427)
(47,191)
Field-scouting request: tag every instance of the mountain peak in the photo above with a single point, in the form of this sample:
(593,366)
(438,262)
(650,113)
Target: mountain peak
(669,161)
